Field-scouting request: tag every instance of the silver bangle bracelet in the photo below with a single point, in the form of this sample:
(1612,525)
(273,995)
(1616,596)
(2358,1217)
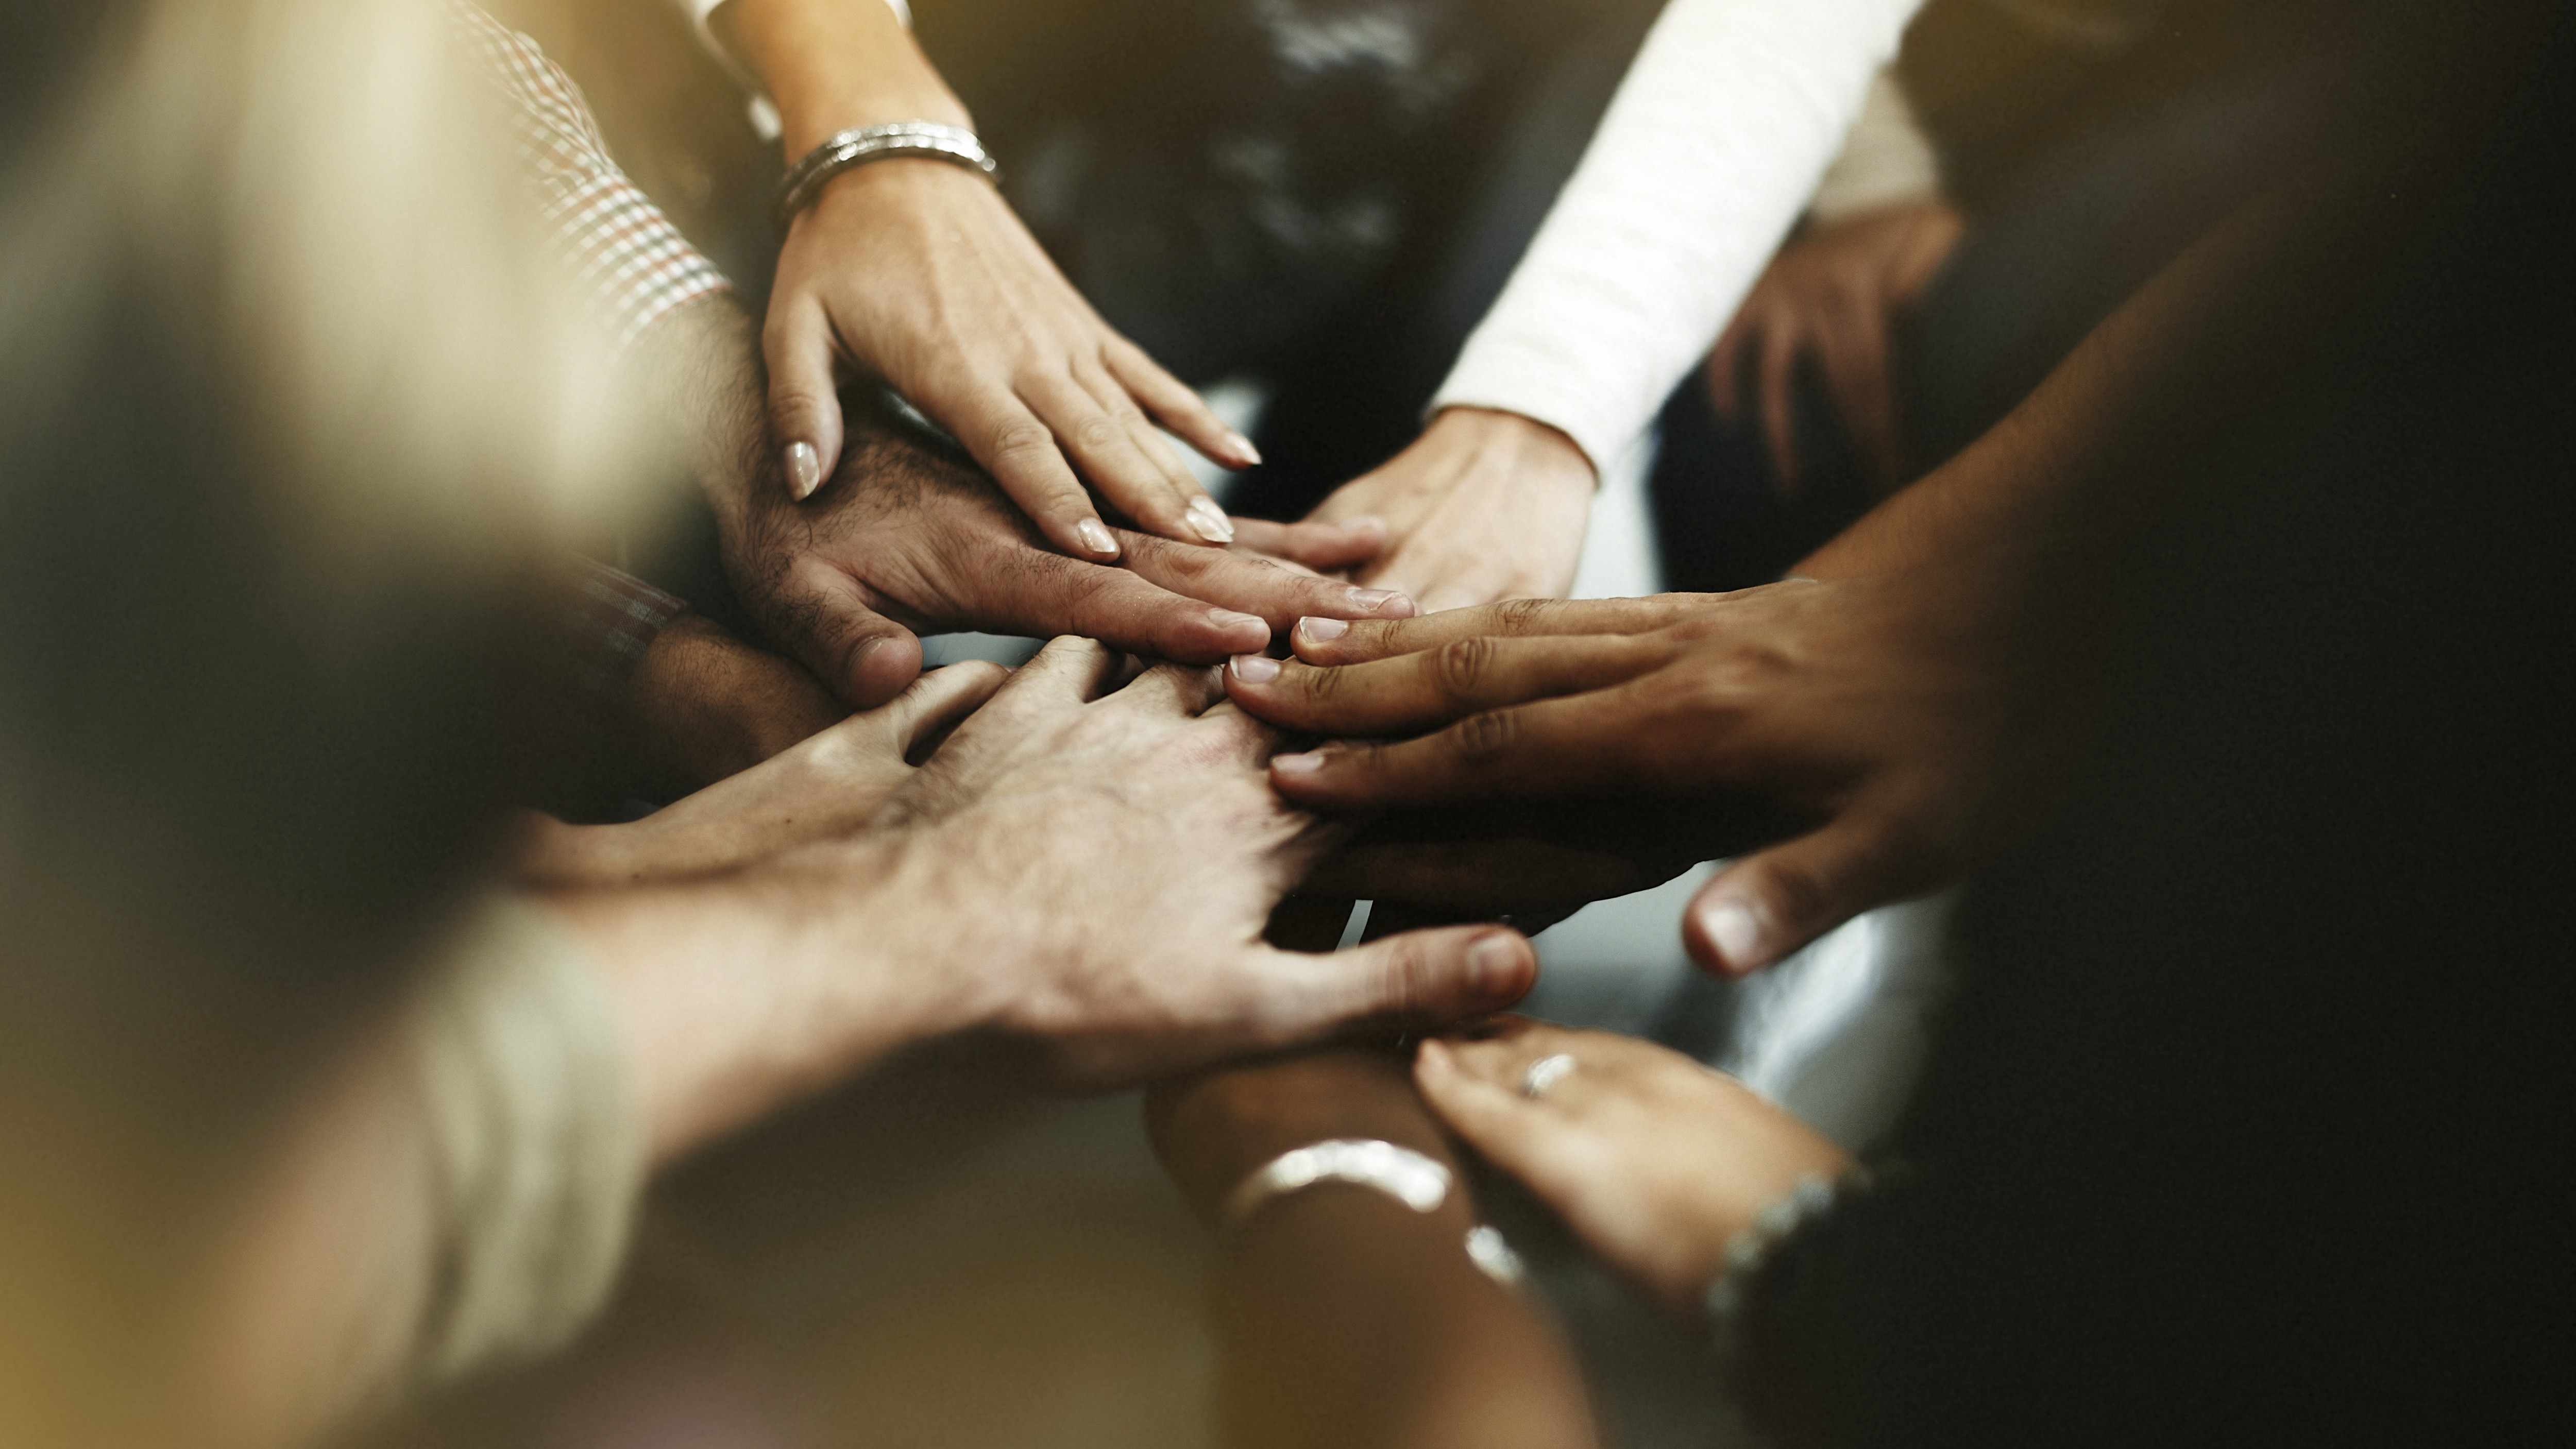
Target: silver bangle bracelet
(838,153)
(1400,1172)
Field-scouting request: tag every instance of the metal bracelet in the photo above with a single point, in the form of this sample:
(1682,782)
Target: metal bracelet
(1400,1172)
(838,153)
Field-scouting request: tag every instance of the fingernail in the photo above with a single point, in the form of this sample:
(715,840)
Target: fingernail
(1493,963)
(1382,601)
(804,471)
(1210,520)
(1305,764)
(1255,668)
(1246,455)
(1095,537)
(1736,932)
(1322,631)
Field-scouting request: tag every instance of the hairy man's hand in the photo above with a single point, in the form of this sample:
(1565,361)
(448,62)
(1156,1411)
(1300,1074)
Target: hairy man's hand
(909,537)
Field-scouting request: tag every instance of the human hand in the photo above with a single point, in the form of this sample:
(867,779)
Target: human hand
(1877,724)
(1833,294)
(1106,862)
(919,272)
(824,787)
(909,537)
(1485,505)
(703,705)
(1652,1159)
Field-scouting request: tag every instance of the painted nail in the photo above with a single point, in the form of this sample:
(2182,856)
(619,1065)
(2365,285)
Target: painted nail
(1305,764)
(804,471)
(1382,601)
(1210,521)
(1493,962)
(1255,668)
(1322,631)
(1246,455)
(1095,537)
(1737,933)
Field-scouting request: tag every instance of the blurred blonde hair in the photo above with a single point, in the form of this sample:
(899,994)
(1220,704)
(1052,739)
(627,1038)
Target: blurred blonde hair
(292,410)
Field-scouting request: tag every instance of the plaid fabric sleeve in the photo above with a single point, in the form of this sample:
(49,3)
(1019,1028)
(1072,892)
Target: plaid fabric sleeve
(618,246)
(604,622)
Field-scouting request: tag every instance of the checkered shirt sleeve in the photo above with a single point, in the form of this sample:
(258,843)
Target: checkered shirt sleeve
(604,621)
(618,246)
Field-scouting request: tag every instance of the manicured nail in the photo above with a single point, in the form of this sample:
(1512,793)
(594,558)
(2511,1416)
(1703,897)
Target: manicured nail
(1210,521)
(1494,963)
(1382,601)
(1305,764)
(1255,668)
(804,471)
(1245,455)
(1737,933)
(1322,631)
(1095,537)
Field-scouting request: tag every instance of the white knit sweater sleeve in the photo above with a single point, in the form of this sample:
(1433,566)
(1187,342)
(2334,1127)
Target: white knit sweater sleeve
(1707,154)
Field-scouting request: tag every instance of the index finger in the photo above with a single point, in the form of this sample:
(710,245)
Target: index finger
(1606,739)
(1336,641)
(1414,692)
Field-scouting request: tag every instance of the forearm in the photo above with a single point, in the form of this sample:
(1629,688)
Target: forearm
(833,64)
(1344,1317)
(2152,369)
(740,994)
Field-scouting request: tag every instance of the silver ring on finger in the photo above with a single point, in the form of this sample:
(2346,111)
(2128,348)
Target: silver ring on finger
(1544,1073)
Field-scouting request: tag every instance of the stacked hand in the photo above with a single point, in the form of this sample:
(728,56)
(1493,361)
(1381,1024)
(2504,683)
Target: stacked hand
(1484,506)
(1652,1159)
(909,537)
(1863,719)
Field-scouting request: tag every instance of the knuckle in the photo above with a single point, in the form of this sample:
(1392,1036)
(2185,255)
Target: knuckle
(1099,431)
(1519,616)
(1484,738)
(1460,668)
(1022,440)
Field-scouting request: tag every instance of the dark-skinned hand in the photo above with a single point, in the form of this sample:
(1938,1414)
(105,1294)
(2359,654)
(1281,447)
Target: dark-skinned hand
(1867,732)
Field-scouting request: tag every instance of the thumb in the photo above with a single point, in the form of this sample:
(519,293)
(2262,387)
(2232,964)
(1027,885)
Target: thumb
(864,656)
(804,402)
(1417,979)
(1769,904)
(939,700)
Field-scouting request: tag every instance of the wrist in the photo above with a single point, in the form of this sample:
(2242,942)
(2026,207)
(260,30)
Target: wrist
(1514,444)
(832,65)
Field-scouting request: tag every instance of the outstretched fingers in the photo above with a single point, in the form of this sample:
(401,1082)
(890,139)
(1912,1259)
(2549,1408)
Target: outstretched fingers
(1322,640)
(1277,595)
(1415,692)
(1581,743)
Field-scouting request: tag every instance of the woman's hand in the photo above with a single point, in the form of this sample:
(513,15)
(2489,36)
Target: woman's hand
(919,272)
(1884,727)
(826,787)
(1485,505)
(1834,294)
(1652,1159)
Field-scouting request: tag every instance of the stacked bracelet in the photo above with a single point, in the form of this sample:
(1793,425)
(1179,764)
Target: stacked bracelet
(839,153)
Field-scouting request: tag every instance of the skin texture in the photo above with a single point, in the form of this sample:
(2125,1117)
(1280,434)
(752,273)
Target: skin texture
(1833,297)
(917,271)
(1652,1159)
(1863,720)
(704,705)
(908,535)
(1343,1318)
(824,787)
(1085,867)
(1485,505)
